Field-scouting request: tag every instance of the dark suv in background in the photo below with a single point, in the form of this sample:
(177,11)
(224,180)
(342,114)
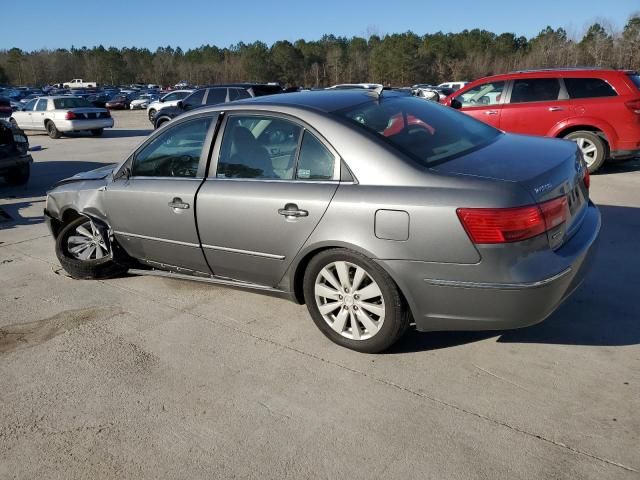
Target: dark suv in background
(598,109)
(214,95)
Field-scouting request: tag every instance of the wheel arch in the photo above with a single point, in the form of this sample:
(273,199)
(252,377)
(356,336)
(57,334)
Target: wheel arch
(603,129)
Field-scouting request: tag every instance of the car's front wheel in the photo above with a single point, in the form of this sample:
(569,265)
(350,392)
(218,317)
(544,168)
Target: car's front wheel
(152,113)
(85,251)
(353,301)
(593,148)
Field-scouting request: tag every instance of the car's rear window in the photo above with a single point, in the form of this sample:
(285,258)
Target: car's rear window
(635,78)
(588,88)
(71,102)
(427,132)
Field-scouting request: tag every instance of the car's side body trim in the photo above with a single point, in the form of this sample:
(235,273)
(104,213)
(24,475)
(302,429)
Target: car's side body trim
(245,252)
(498,286)
(146,237)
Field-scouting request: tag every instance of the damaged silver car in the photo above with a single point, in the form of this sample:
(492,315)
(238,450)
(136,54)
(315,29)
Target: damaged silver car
(376,209)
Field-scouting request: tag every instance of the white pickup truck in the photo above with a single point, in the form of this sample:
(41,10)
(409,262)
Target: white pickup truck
(79,83)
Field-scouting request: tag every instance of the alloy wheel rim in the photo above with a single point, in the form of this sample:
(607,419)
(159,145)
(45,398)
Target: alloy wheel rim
(588,149)
(87,243)
(349,300)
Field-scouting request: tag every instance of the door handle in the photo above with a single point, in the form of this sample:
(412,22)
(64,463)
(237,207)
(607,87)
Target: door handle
(178,203)
(292,210)
(555,109)
(491,112)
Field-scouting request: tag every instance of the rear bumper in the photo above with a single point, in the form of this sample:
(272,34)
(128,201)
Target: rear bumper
(79,125)
(8,163)
(451,304)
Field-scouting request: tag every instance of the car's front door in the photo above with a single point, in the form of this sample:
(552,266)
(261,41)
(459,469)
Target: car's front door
(535,106)
(24,116)
(483,102)
(38,116)
(152,209)
(272,183)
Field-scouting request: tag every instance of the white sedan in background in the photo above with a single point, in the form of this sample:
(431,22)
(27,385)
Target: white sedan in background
(58,115)
(143,101)
(171,99)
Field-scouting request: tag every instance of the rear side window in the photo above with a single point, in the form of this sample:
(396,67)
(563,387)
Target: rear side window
(588,88)
(635,78)
(535,90)
(315,161)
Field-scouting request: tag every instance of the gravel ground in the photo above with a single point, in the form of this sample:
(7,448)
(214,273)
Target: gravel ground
(143,377)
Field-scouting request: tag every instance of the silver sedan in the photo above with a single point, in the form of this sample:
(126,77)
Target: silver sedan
(376,209)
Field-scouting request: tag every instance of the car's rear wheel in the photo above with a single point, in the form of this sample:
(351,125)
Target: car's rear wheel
(18,175)
(85,251)
(52,130)
(97,132)
(593,148)
(353,301)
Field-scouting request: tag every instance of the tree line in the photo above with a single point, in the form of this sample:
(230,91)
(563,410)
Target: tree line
(397,59)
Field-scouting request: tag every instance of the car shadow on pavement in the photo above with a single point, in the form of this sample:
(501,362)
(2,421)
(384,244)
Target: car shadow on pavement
(43,176)
(112,133)
(604,311)
(625,166)
(10,216)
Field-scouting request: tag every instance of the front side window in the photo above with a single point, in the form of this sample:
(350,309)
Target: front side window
(482,95)
(315,162)
(42,105)
(426,132)
(29,105)
(256,146)
(535,90)
(175,152)
(588,88)
(217,95)
(195,99)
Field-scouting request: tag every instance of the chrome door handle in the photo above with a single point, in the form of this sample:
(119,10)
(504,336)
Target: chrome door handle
(292,210)
(491,112)
(555,109)
(178,203)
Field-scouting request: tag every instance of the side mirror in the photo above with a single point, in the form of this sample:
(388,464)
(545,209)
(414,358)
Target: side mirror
(455,103)
(124,172)
(180,105)
(161,100)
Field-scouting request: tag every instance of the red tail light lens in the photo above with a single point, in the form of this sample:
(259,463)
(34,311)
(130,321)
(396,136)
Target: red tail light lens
(70,116)
(634,106)
(506,225)
(587,178)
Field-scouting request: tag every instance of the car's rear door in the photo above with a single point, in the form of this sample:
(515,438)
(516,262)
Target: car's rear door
(270,182)
(535,106)
(483,102)
(152,210)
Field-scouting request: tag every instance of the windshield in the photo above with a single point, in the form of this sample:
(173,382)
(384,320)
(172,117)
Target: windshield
(425,131)
(71,102)
(635,78)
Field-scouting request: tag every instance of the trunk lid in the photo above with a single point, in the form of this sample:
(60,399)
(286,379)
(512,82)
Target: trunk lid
(545,168)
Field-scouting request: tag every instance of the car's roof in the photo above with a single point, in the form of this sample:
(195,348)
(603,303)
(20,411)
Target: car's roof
(321,100)
(555,72)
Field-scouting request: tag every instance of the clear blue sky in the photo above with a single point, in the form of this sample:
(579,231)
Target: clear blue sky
(36,24)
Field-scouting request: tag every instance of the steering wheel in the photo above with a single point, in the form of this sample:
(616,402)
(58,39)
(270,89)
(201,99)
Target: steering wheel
(183,166)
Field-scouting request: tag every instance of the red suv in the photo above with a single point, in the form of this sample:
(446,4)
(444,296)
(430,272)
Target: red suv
(597,109)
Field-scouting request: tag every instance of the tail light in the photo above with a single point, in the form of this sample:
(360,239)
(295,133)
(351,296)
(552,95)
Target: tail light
(633,105)
(506,225)
(587,178)
(70,116)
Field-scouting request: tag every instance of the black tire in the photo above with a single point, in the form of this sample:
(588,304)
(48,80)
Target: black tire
(52,130)
(97,132)
(161,121)
(18,175)
(396,318)
(13,122)
(596,158)
(152,113)
(105,267)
